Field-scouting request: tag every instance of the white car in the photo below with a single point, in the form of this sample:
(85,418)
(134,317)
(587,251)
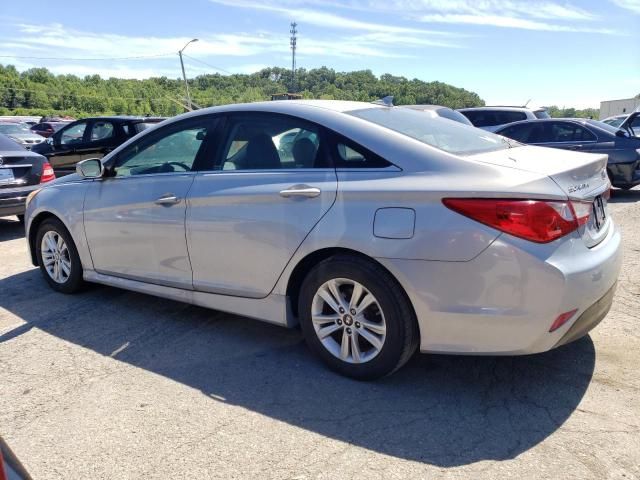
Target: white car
(493,118)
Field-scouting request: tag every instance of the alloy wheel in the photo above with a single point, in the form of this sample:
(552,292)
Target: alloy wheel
(348,320)
(56,256)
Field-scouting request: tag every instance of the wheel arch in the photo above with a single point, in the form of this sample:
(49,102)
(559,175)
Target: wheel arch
(304,266)
(33,232)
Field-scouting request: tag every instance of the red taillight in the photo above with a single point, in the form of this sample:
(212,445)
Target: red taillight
(561,320)
(539,221)
(47,173)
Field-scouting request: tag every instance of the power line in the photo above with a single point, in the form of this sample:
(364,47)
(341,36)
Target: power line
(87,59)
(207,64)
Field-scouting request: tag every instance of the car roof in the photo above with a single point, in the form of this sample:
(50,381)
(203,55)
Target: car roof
(424,107)
(505,107)
(123,118)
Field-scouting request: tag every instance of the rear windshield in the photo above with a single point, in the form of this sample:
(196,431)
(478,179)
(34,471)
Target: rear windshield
(452,137)
(541,114)
(9,145)
(453,115)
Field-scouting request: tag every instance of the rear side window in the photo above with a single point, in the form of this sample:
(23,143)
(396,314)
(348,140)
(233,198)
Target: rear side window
(349,155)
(520,133)
(541,114)
(101,131)
(507,116)
(560,132)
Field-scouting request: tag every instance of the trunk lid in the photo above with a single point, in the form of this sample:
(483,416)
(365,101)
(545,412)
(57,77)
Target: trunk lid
(581,176)
(17,169)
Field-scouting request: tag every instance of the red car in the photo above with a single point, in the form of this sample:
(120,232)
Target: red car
(46,129)
(10,466)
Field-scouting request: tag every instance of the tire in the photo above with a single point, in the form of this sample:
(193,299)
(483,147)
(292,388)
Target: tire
(69,268)
(390,318)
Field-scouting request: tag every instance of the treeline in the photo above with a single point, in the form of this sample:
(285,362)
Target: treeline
(556,112)
(39,92)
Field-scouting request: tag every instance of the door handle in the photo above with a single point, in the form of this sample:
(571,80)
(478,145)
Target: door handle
(168,199)
(300,191)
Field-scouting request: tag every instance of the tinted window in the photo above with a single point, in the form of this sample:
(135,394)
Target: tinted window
(449,136)
(173,152)
(73,134)
(541,114)
(491,118)
(101,130)
(259,142)
(521,133)
(453,115)
(568,132)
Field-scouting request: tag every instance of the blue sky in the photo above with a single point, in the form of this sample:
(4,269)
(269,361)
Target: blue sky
(568,53)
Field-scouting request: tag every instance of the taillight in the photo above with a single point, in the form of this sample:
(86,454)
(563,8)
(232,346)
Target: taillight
(561,320)
(47,173)
(539,221)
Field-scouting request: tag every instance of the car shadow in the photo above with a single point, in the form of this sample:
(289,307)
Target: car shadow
(441,410)
(10,229)
(624,196)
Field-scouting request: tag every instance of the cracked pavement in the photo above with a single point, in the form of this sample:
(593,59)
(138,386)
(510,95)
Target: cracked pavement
(112,384)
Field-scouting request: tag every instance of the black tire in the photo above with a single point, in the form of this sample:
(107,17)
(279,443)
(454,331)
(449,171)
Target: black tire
(74,282)
(402,335)
(20,218)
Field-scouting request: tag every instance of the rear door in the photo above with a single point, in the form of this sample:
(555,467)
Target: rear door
(272,181)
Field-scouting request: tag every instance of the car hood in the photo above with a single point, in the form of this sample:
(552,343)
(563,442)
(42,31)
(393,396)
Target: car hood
(25,136)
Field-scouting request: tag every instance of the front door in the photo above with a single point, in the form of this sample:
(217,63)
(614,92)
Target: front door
(271,183)
(66,148)
(135,220)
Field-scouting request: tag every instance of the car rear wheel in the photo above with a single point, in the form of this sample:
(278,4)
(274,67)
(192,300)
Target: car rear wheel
(357,318)
(58,257)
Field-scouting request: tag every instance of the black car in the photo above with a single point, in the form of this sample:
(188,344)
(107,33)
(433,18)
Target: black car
(584,135)
(90,138)
(21,172)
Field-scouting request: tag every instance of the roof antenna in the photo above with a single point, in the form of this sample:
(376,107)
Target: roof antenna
(385,102)
(525,105)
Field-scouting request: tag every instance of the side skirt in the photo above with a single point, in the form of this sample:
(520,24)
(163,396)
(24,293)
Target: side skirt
(272,309)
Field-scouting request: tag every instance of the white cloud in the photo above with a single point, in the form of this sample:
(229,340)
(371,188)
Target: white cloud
(633,5)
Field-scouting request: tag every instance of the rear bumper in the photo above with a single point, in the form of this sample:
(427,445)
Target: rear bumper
(13,201)
(504,301)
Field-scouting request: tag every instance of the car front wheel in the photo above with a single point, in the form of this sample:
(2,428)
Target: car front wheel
(357,318)
(58,257)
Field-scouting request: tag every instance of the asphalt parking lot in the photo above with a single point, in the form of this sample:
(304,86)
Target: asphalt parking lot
(116,385)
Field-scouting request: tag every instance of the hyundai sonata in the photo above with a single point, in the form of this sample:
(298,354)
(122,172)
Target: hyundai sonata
(378,229)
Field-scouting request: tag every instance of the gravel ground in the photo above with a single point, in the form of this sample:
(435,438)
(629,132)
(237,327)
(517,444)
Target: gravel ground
(110,384)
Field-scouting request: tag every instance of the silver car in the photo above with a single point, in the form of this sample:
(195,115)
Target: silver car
(378,229)
(21,134)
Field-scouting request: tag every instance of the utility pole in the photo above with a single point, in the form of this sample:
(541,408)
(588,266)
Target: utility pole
(293,42)
(184,75)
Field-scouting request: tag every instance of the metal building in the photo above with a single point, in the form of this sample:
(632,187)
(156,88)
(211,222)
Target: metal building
(609,108)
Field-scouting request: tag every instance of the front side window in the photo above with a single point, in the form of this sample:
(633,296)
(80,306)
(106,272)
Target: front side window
(266,142)
(561,132)
(101,131)
(173,152)
(452,137)
(73,134)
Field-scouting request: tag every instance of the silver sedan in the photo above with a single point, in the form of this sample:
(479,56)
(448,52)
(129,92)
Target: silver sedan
(378,229)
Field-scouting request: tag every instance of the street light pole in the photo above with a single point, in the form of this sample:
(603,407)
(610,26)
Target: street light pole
(184,75)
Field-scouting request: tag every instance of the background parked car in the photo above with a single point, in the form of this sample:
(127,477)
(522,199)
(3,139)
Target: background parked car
(47,129)
(440,111)
(586,136)
(21,172)
(90,138)
(21,134)
(615,121)
(492,118)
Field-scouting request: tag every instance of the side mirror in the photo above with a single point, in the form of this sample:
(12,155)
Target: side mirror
(90,168)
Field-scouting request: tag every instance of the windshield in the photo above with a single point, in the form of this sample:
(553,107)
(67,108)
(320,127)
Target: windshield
(604,126)
(9,128)
(452,137)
